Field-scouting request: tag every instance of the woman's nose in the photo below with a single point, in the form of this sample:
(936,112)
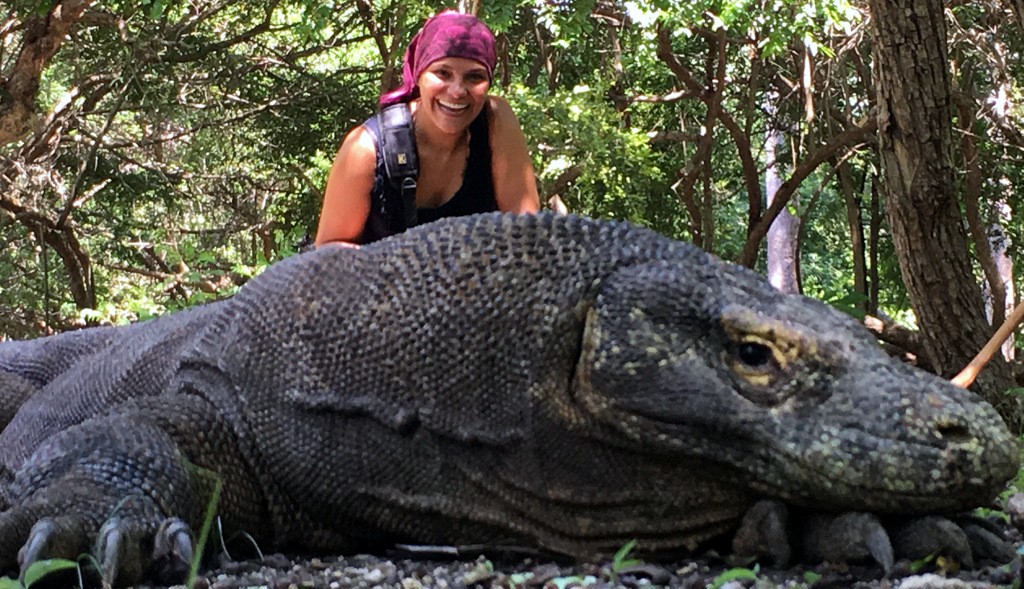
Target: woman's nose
(457,88)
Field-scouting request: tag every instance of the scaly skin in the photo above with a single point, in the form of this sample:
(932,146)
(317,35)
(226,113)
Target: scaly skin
(555,382)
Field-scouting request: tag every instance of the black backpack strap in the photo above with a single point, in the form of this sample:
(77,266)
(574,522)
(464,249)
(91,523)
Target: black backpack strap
(397,142)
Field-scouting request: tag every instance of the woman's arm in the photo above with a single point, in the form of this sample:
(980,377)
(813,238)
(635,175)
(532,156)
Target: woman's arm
(346,203)
(515,184)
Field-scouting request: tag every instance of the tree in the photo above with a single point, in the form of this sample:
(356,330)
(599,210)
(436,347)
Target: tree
(175,148)
(914,109)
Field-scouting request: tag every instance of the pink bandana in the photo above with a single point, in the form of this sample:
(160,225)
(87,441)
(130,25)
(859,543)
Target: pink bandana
(447,34)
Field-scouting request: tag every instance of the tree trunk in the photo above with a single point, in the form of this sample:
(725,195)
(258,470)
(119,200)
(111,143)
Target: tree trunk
(999,242)
(855,221)
(782,235)
(915,131)
(874,234)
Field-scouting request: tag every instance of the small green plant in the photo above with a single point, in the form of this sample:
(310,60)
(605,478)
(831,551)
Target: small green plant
(622,560)
(204,531)
(736,574)
(922,564)
(42,569)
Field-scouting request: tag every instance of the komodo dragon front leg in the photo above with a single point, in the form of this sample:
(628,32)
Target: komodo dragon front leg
(137,477)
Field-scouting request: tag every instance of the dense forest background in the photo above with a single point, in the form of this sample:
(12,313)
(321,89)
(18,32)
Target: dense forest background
(155,154)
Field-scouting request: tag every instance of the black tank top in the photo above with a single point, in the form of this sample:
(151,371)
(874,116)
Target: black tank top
(475,195)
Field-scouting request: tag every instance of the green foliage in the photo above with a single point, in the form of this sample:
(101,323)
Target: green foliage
(811,577)
(622,557)
(622,560)
(620,176)
(212,478)
(43,568)
(735,574)
(195,146)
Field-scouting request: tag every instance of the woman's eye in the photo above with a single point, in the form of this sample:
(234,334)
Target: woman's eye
(443,74)
(754,355)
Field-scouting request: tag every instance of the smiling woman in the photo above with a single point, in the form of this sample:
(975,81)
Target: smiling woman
(472,152)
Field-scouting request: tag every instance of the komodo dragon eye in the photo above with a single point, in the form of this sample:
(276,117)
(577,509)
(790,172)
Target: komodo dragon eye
(754,355)
(763,352)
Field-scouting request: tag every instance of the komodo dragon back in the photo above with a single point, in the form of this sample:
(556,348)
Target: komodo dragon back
(555,382)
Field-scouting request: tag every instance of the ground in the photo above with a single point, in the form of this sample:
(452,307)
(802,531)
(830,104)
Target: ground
(405,570)
(370,572)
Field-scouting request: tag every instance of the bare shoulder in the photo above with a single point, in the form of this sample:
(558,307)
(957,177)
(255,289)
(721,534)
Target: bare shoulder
(360,144)
(357,154)
(501,113)
(503,122)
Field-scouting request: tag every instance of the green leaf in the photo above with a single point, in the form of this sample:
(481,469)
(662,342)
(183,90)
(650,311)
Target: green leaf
(923,563)
(9,583)
(737,574)
(208,519)
(621,559)
(42,568)
(811,577)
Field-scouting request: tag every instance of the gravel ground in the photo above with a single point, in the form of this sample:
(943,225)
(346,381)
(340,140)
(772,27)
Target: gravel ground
(429,569)
(370,572)
(422,570)
(278,571)
(399,571)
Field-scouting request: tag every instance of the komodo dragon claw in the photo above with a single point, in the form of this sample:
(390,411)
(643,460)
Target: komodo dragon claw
(173,551)
(768,532)
(847,537)
(119,553)
(771,532)
(51,538)
(926,536)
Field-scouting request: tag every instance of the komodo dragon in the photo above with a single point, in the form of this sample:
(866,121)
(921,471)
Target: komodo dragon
(554,382)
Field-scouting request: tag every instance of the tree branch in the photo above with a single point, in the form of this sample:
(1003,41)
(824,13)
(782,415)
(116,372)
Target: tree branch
(43,38)
(852,135)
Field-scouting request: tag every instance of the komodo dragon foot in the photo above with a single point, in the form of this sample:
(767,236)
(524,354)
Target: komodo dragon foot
(119,547)
(127,489)
(102,488)
(770,532)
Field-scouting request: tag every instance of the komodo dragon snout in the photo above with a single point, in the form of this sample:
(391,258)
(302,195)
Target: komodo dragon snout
(789,396)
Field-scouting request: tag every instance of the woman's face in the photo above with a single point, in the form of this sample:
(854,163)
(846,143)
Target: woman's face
(453,90)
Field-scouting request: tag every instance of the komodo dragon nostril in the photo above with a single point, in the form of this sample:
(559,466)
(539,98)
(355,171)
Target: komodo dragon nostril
(954,432)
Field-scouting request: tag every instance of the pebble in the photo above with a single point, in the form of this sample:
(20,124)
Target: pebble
(1015,509)
(933,582)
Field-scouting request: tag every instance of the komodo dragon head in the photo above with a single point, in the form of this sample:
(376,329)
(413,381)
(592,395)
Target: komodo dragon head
(798,398)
